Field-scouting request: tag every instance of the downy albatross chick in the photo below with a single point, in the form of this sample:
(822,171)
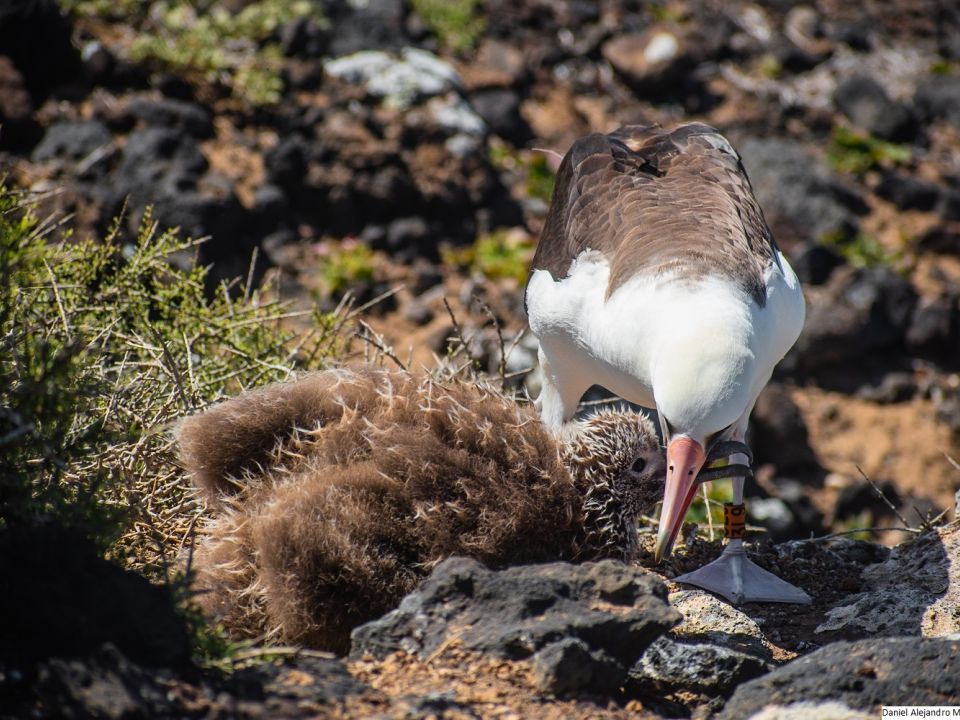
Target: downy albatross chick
(657,277)
(334,495)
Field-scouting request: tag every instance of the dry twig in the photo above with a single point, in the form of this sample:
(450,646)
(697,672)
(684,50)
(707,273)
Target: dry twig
(885,499)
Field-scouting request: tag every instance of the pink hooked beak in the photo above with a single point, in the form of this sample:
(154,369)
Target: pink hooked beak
(685,457)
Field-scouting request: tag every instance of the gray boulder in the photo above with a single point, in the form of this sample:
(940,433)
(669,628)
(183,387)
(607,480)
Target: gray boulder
(914,591)
(699,666)
(861,675)
(72,140)
(866,103)
(803,200)
(584,625)
(857,313)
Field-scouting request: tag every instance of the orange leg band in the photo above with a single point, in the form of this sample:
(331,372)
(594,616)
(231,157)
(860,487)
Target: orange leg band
(734,521)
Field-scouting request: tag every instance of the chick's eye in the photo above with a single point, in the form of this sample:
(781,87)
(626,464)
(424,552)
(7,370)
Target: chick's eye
(638,465)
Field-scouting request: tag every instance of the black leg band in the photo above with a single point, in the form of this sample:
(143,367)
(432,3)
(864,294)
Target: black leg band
(725,471)
(727,448)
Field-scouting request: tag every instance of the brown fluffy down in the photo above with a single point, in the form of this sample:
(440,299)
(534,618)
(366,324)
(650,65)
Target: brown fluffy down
(335,495)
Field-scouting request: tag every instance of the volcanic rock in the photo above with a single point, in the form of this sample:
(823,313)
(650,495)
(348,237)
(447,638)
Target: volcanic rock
(859,312)
(895,387)
(906,192)
(157,162)
(35,35)
(187,117)
(703,667)
(938,98)
(65,601)
(651,61)
(614,610)
(569,664)
(19,129)
(72,140)
(935,327)
(942,238)
(708,618)
(107,684)
(500,110)
(915,591)
(814,263)
(399,82)
(778,433)
(861,675)
(803,200)
(948,204)
(865,102)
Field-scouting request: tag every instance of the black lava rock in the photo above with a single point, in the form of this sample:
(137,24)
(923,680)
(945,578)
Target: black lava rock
(908,193)
(696,665)
(790,513)
(943,238)
(407,238)
(426,275)
(862,675)
(938,98)
(948,205)
(500,110)
(934,331)
(63,600)
(778,433)
(35,35)
(519,611)
(803,199)
(187,117)
(858,313)
(108,685)
(856,498)
(163,167)
(866,103)
(271,209)
(158,163)
(72,140)
(569,665)
(199,215)
(894,388)
(814,263)
(286,163)
(373,25)
(948,411)
(304,37)
(19,129)
(99,64)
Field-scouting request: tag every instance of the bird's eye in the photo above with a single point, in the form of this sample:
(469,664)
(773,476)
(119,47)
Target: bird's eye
(638,465)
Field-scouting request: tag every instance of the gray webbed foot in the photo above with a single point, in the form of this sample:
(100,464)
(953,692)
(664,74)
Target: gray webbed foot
(738,579)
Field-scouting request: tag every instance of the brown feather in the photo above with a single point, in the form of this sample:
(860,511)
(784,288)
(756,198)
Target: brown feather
(348,486)
(653,200)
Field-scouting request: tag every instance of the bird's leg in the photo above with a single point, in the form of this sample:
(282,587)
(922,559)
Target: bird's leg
(719,453)
(727,448)
(733,575)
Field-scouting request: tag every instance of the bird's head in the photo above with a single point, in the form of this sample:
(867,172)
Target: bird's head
(617,463)
(703,392)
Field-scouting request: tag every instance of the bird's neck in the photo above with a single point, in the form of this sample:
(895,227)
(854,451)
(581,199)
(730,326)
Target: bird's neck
(701,364)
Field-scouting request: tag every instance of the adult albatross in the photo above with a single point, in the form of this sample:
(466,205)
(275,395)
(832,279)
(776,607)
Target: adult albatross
(657,277)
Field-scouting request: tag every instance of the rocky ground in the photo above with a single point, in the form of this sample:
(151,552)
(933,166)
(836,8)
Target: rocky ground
(399,166)
(597,640)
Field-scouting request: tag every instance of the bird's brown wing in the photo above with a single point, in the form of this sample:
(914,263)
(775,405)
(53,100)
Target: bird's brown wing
(653,201)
